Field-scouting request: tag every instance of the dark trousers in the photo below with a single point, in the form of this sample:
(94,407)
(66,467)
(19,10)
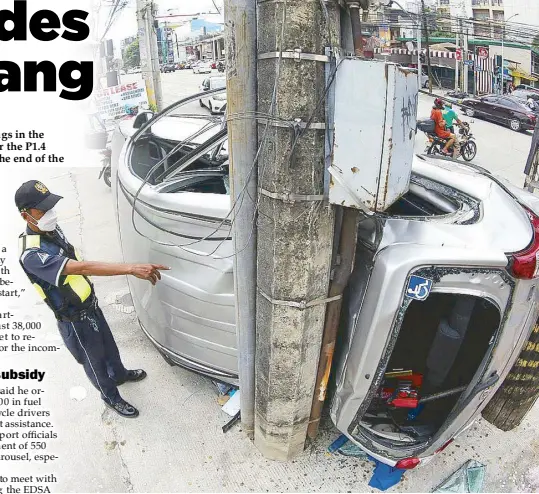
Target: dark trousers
(91,342)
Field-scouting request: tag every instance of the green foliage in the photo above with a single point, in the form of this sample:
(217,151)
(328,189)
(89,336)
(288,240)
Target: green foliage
(132,55)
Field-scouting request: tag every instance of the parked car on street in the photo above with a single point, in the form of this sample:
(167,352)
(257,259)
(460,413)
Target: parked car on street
(216,103)
(456,97)
(526,87)
(442,297)
(168,67)
(202,68)
(504,110)
(525,96)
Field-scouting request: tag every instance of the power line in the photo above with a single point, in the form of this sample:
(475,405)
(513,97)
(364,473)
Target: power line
(215,5)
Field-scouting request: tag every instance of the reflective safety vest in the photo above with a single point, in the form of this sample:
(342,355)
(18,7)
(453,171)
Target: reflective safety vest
(75,291)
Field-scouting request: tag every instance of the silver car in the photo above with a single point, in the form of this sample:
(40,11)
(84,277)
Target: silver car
(441,300)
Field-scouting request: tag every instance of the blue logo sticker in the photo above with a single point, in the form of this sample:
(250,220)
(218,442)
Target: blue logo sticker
(418,288)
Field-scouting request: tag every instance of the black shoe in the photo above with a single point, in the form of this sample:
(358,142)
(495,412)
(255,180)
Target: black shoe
(132,376)
(124,409)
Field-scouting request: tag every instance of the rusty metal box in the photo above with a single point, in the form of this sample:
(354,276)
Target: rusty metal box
(374,132)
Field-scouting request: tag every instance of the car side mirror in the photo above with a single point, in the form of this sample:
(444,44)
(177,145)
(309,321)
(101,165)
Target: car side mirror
(142,118)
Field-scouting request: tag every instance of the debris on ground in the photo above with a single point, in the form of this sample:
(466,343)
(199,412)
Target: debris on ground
(232,406)
(223,389)
(468,478)
(222,399)
(335,445)
(231,422)
(383,477)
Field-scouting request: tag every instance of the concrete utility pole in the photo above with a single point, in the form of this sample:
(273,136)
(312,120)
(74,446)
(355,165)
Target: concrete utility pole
(240,39)
(345,242)
(457,62)
(149,57)
(426,29)
(295,225)
(465,68)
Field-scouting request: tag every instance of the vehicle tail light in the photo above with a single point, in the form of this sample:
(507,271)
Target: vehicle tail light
(439,450)
(532,117)
(525,264)
(408,463)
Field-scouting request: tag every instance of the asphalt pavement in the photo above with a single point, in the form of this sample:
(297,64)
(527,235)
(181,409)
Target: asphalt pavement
(177,444)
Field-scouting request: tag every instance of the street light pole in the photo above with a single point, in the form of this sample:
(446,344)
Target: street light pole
(503,58)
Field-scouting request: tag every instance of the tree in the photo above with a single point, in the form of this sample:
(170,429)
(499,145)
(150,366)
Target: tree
(131,55)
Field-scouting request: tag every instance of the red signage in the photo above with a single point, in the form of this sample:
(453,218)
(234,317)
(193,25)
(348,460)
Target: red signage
(458,54)
(482,52)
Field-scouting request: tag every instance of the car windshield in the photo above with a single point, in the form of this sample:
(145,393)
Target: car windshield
(217,83)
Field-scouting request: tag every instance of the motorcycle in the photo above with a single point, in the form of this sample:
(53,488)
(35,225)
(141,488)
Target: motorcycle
(105,172)
(468,146)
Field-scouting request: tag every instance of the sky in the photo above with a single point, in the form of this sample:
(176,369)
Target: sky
(126,22)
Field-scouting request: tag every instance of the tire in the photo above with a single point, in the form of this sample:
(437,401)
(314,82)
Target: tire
(434,149)
(469,112)
(516,396)
(106,176)
(515,124)
(469,151)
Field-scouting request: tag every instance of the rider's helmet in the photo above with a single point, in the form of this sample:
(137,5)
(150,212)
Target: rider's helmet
(438,103)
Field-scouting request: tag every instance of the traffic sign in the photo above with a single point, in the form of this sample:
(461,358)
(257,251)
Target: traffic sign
(482,52)
(458,54)
(468,62)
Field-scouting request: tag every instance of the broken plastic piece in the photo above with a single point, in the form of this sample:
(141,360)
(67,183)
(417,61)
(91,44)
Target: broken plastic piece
(468,478)
(385,476)
(335,445)
(232,406)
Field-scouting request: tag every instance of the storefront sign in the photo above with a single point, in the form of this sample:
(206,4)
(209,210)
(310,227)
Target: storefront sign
(124,99)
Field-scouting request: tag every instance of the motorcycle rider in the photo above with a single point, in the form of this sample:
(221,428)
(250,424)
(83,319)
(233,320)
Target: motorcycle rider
(450,116)
(441,131)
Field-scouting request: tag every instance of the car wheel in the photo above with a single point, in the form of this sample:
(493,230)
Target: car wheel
(469,151)
(434,149)
(515,125)
(469,112)
(512,401)
(106,176)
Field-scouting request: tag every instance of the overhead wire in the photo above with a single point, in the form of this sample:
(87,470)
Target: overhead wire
(268,117)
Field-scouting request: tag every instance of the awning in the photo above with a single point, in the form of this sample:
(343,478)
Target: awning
(523,75)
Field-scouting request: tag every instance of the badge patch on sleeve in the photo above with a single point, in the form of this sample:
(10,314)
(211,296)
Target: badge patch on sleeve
(43,257)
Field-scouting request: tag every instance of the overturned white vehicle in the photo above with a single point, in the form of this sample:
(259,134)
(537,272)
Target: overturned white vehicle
(442,298)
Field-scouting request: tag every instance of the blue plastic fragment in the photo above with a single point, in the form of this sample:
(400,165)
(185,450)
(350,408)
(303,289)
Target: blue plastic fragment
(335,445)
(385,476)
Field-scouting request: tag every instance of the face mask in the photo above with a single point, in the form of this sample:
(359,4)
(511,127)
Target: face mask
(47,223)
